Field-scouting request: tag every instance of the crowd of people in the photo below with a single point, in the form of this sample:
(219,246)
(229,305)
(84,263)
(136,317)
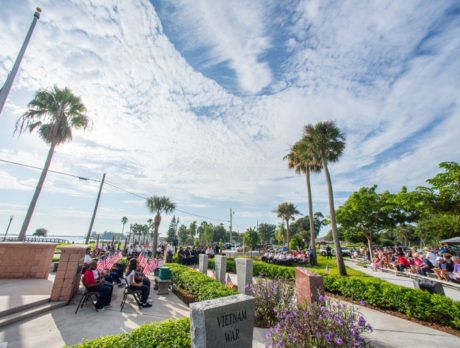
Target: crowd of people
(443,262)
(287,258)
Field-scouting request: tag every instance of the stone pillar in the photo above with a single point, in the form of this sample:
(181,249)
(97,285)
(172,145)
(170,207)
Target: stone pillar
(26,260)
(224,322)
(244,274)
(203,267)
(220,263)
(307,283)
(68,274)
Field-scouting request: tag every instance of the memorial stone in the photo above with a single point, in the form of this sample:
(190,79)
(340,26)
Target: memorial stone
(220,263)
(224,322)
(203,263)
(244,274)
(307,283)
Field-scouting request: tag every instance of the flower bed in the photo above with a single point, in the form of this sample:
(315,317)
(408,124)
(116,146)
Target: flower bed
(168,333)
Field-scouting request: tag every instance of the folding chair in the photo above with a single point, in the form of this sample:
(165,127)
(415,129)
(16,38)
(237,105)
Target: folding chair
(134,293)
(88,295)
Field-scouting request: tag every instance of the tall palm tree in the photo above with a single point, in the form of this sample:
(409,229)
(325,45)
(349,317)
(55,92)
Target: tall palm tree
(151,226)
(303,161)
(54,112)
(159,205)
(287,211)
(124,221)
(327,142)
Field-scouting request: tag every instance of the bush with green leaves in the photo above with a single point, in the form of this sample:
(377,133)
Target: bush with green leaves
(324,323)
(198,284)
(169,333)
(270,295)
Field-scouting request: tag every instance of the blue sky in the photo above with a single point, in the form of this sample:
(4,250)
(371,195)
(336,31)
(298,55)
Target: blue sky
(200,101)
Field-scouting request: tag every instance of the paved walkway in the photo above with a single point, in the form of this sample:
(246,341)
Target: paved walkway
(399,280)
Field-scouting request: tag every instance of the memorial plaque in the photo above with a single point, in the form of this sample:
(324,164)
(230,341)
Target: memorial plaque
(244,274)
(203,267)
(223,322)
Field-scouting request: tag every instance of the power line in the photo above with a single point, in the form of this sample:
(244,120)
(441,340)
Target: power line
(110,184)
(50,170)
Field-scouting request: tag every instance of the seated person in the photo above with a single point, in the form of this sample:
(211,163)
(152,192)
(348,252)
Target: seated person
(455,275)
(425,267)
(133,285)
(444,267)
(141,277)
(114,275)
(265,257)
(402,263)
(188,256)
(92,284)
(88,259)
(416,263)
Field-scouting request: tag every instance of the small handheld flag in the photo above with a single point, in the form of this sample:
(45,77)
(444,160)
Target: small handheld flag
(229,281)
(327,269)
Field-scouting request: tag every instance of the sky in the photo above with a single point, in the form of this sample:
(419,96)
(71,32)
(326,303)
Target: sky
(200,100)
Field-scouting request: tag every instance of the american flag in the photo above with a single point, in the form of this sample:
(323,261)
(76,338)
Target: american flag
(161,262)
(327,269)
(100,265)
(194,267)
(229,281)
(148,267)
(110,261)
(213,273)
(142,260)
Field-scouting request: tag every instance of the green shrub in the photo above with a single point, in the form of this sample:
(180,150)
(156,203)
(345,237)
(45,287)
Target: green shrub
(413,303)
(164,334)
(198,284)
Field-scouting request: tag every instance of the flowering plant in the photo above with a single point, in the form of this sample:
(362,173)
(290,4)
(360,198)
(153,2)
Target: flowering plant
(324,323)
(270,296)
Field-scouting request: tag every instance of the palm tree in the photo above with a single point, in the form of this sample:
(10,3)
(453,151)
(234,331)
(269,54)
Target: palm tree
(159,205)
(124,221)
(303,161)
(151,226)
(287,211)
(327,142)
(54,113)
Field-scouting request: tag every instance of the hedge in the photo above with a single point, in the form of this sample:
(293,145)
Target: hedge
(198,284)
(165,334)
(413,303)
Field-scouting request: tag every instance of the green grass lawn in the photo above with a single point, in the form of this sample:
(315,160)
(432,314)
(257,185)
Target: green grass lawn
(321,268)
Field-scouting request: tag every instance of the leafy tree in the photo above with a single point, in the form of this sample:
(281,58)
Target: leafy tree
(219,233)
(192,230)
(302,226)
(303,160)
(280,233)
(266,232)
(286,211)
(124,221)
(201,230)
(40,232)
(54,113)
(326,142)
(368,212)
(183,234)
(171,234)
(251,238)
(208,234)
(159,205)
(296,242)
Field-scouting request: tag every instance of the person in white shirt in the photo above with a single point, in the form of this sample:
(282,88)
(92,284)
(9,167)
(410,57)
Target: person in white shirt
(431,256)
(169,252)
(133,285)
(88,259)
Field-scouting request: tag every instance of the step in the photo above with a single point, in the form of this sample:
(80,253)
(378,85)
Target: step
(23,307)
(30,312)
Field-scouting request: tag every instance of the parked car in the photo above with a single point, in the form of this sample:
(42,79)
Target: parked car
(322,251)
(345,251)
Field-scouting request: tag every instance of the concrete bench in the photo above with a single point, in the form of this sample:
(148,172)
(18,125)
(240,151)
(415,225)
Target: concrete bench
(162,286)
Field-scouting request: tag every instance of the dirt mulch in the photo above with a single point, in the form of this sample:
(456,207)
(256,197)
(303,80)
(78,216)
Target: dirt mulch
(435,326)
(184,296)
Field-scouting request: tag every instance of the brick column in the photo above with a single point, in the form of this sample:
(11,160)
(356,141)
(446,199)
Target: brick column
(68,275)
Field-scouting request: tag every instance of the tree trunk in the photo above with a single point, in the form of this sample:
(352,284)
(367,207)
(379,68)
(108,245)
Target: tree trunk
(38,189)
(310,217)
(287,232)
(155,234)
(335,233)
(371,254)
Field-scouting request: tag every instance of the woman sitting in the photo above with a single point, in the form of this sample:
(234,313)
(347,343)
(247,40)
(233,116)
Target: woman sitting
(133,285)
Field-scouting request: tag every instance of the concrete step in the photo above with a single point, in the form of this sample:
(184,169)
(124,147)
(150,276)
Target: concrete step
(23,307)
(30,312)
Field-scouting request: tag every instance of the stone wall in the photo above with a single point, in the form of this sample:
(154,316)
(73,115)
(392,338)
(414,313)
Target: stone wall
(25,260)
(68,275)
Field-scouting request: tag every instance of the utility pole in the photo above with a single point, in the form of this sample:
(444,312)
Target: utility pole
(95,210)
(231,233)
(10,79)
(7,229)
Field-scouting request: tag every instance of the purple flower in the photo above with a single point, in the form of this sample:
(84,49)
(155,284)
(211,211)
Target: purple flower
(318,334)
(362,302)
(369,327)
(320,297)
(340,322)
(361,321)
(323,308)
(281,344)
(339,341)
(255,314)
(268,335)
(327,337)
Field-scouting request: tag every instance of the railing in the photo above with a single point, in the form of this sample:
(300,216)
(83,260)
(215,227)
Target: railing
(35,240)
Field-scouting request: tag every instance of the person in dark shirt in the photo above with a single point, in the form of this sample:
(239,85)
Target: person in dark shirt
(425,267)
(182,256)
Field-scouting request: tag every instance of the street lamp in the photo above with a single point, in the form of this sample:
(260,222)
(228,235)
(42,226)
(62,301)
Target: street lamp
(10,79)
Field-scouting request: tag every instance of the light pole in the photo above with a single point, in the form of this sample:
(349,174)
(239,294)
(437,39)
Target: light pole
(7,229)
(10,79)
